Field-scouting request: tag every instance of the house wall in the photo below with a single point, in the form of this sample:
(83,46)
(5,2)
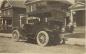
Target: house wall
(7,13)
(16,16)
(11,17)
(6,18)
(10,11)
(80,18)
(45,5)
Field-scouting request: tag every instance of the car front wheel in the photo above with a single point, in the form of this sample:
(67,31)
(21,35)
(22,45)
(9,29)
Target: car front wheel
(15,35)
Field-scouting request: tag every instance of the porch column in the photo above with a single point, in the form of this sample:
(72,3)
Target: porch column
(5,24)
(71,18)
(31,8)
(46,20)
(20,20)
(26,20)
(2,21)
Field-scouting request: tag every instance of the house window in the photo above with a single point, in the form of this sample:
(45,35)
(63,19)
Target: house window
(8,12)
(33,7)
(4,12)
(41,5)
(28,8)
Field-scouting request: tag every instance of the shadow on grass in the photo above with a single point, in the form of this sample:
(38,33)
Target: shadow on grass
(31,41)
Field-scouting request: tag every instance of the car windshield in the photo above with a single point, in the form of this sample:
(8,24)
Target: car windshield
(33,21)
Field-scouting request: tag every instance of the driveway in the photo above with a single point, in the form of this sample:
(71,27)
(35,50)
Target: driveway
(9,46)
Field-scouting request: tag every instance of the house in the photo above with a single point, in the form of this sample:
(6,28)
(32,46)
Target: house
(78,12)
(10,12)
(47,8)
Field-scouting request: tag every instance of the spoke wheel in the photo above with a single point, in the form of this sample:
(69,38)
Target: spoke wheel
(42,38)
(15,35)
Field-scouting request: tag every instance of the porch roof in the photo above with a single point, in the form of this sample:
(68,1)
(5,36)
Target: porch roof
(35,1)
(77,6)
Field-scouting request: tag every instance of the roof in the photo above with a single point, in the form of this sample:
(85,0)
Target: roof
(34,1)
(83,1)
(15,3)
(78,6)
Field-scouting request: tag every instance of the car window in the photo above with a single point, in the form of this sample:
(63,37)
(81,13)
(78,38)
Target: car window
(34,21)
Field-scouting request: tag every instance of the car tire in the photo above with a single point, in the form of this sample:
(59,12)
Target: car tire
(16,35)
(49,38)
(42,38)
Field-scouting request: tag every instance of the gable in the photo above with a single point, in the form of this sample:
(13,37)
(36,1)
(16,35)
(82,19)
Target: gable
(4,4)
(13,3)
(17,3)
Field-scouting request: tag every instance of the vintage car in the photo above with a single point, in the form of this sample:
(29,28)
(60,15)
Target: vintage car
(43,32)
(47,26)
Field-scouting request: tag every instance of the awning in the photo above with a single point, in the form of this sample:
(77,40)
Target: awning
(77,6)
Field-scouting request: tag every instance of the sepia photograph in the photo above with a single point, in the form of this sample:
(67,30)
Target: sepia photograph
(42,26)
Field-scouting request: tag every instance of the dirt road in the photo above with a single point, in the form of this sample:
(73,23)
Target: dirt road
(8,46)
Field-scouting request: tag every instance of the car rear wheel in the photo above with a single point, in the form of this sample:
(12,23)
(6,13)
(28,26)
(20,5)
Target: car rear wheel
(15,35)
(42,38)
